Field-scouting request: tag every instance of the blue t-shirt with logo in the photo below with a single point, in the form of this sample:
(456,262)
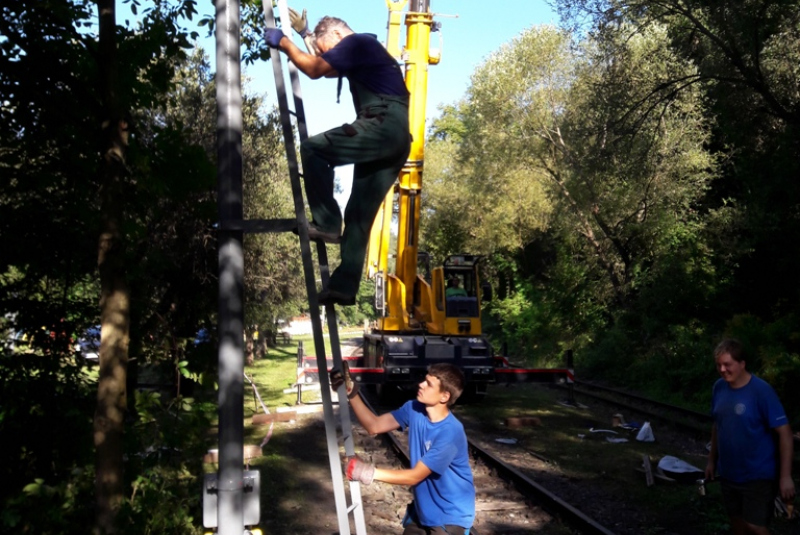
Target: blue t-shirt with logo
(447,496)
(361,58)
(744,418)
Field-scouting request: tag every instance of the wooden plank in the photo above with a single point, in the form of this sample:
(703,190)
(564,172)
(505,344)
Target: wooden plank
(249,452)
(648,470)
(500,506)
(261,419)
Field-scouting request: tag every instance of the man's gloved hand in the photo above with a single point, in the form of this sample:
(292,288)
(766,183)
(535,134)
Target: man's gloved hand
(342,377)
(273,37)
(299,22)
(358,470)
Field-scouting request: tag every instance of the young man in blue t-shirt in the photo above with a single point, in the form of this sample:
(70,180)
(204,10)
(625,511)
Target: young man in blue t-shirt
(377,142)
(746,412)
(440,475)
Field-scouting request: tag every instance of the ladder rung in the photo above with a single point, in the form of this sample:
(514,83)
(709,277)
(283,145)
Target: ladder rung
(261,225)
(353,508)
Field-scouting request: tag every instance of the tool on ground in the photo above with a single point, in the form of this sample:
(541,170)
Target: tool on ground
(702,484)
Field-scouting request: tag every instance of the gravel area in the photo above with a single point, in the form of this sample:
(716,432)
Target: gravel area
(309,507)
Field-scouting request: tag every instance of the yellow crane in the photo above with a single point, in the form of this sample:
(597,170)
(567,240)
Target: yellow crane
(422,320)
(426,315)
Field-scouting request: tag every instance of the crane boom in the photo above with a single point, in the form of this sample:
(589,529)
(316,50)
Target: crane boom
(416,56)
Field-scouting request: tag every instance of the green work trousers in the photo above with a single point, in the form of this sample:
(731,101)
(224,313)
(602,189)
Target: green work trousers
(378,143)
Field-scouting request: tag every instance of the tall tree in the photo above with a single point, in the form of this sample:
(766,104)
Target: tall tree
(138,144)
(114,293)
(746,55)
(621,165)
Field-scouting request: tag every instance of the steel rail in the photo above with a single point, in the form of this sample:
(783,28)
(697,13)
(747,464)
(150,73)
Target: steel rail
(535,492)
(702,417)
(694,427)
(699,416)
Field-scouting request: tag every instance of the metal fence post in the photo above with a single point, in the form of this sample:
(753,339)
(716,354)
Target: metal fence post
(299,373)
(570,378)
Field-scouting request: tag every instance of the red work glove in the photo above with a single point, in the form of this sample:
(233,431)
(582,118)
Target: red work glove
(358,470)
(342,377)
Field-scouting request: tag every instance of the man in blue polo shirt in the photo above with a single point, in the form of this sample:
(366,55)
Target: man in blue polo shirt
(746,412)
(377,142)
(440,475)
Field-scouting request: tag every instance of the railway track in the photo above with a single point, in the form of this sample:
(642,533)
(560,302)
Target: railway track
(524,497)
(682,418)
(539,487)
(687,419)
(700,417)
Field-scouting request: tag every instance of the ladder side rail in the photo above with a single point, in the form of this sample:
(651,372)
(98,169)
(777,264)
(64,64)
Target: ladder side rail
(308,270)
(333,325)
(331,317)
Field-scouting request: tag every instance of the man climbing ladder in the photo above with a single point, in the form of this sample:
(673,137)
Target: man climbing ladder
(377,142)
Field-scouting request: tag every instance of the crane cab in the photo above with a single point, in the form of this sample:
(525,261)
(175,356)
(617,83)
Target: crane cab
(455,297)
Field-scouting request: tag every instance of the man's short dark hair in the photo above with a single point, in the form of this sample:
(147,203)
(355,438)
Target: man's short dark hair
(451,378)
(328,24)
(732,347)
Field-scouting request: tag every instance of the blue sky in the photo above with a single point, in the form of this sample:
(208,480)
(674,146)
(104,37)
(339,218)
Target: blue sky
(471,31)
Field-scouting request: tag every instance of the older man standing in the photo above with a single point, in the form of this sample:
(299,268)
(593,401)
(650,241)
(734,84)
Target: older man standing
(746,412)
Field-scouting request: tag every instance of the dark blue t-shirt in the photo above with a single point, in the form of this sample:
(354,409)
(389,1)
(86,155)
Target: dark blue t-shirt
(447,496)
(361,58)
(745,418)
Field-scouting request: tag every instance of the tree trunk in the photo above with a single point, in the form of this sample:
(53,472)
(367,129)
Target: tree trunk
(114,293)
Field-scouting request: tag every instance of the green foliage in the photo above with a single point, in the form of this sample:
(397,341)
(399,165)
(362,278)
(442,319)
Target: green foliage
(167,441)
(46,404)
(364,308)
(584,173)
(683,365)
(49,221)
(539,322)
(727,260)
(61,507)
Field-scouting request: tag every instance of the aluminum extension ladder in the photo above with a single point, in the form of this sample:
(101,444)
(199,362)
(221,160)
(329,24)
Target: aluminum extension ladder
(343,510)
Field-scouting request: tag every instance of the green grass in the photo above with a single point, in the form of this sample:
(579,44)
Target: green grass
(284,490)
(277,370)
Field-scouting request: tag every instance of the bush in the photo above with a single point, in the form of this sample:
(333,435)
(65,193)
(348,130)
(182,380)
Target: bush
(46,403)
(167,442)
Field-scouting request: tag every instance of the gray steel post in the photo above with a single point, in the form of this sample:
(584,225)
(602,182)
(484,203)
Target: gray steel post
(230,516)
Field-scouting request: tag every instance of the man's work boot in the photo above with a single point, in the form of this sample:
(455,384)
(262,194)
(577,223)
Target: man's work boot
(332,297)
(317,234)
